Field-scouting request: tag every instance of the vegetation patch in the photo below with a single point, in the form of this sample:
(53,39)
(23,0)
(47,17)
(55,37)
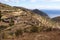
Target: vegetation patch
(2,27)
(18,32)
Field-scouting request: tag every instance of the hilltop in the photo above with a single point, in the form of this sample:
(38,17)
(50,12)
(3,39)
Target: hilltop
(15,21)
(40,13)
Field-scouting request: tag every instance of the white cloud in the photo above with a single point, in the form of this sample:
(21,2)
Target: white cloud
(40,6)
(16,1)
(50,7)
(6,0)
(52,0)
(33,0)
(10,0)
(55,0)
(45,0)
(23,0)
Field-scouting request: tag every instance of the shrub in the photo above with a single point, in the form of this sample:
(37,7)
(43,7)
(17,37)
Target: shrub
(34,29)
(11,22)
(47,29)
(2,27)
(19,32)
(25,30)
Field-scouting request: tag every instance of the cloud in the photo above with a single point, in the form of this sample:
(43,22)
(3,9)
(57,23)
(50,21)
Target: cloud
(33,0)
(55,0)
(9,0)
(13,1)
(52,0)
(46,4)
(6,0)
(45,0)
(23,0)
(50,7)
(20,0)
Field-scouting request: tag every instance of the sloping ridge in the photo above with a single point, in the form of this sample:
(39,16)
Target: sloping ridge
(28,17)
(6,7)
(40,13)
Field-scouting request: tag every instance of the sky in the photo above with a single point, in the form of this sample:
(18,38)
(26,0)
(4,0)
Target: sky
(36,4)
(33,4)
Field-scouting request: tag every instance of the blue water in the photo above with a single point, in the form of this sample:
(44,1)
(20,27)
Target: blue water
(52,13)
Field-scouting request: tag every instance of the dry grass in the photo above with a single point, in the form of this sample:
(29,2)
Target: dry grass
(52,35)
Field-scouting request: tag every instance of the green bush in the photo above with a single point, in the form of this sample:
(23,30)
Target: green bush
(25,30)
(2,27)
(11,24)
(19,32)
(34,29)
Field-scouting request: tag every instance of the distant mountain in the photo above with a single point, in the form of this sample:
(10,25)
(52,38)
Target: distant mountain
(40,13)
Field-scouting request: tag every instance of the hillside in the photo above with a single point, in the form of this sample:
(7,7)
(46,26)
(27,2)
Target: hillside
(15,22)
(56,19)
(40,13)
(6,7)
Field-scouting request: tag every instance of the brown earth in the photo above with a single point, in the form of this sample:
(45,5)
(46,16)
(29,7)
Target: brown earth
(51,35)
